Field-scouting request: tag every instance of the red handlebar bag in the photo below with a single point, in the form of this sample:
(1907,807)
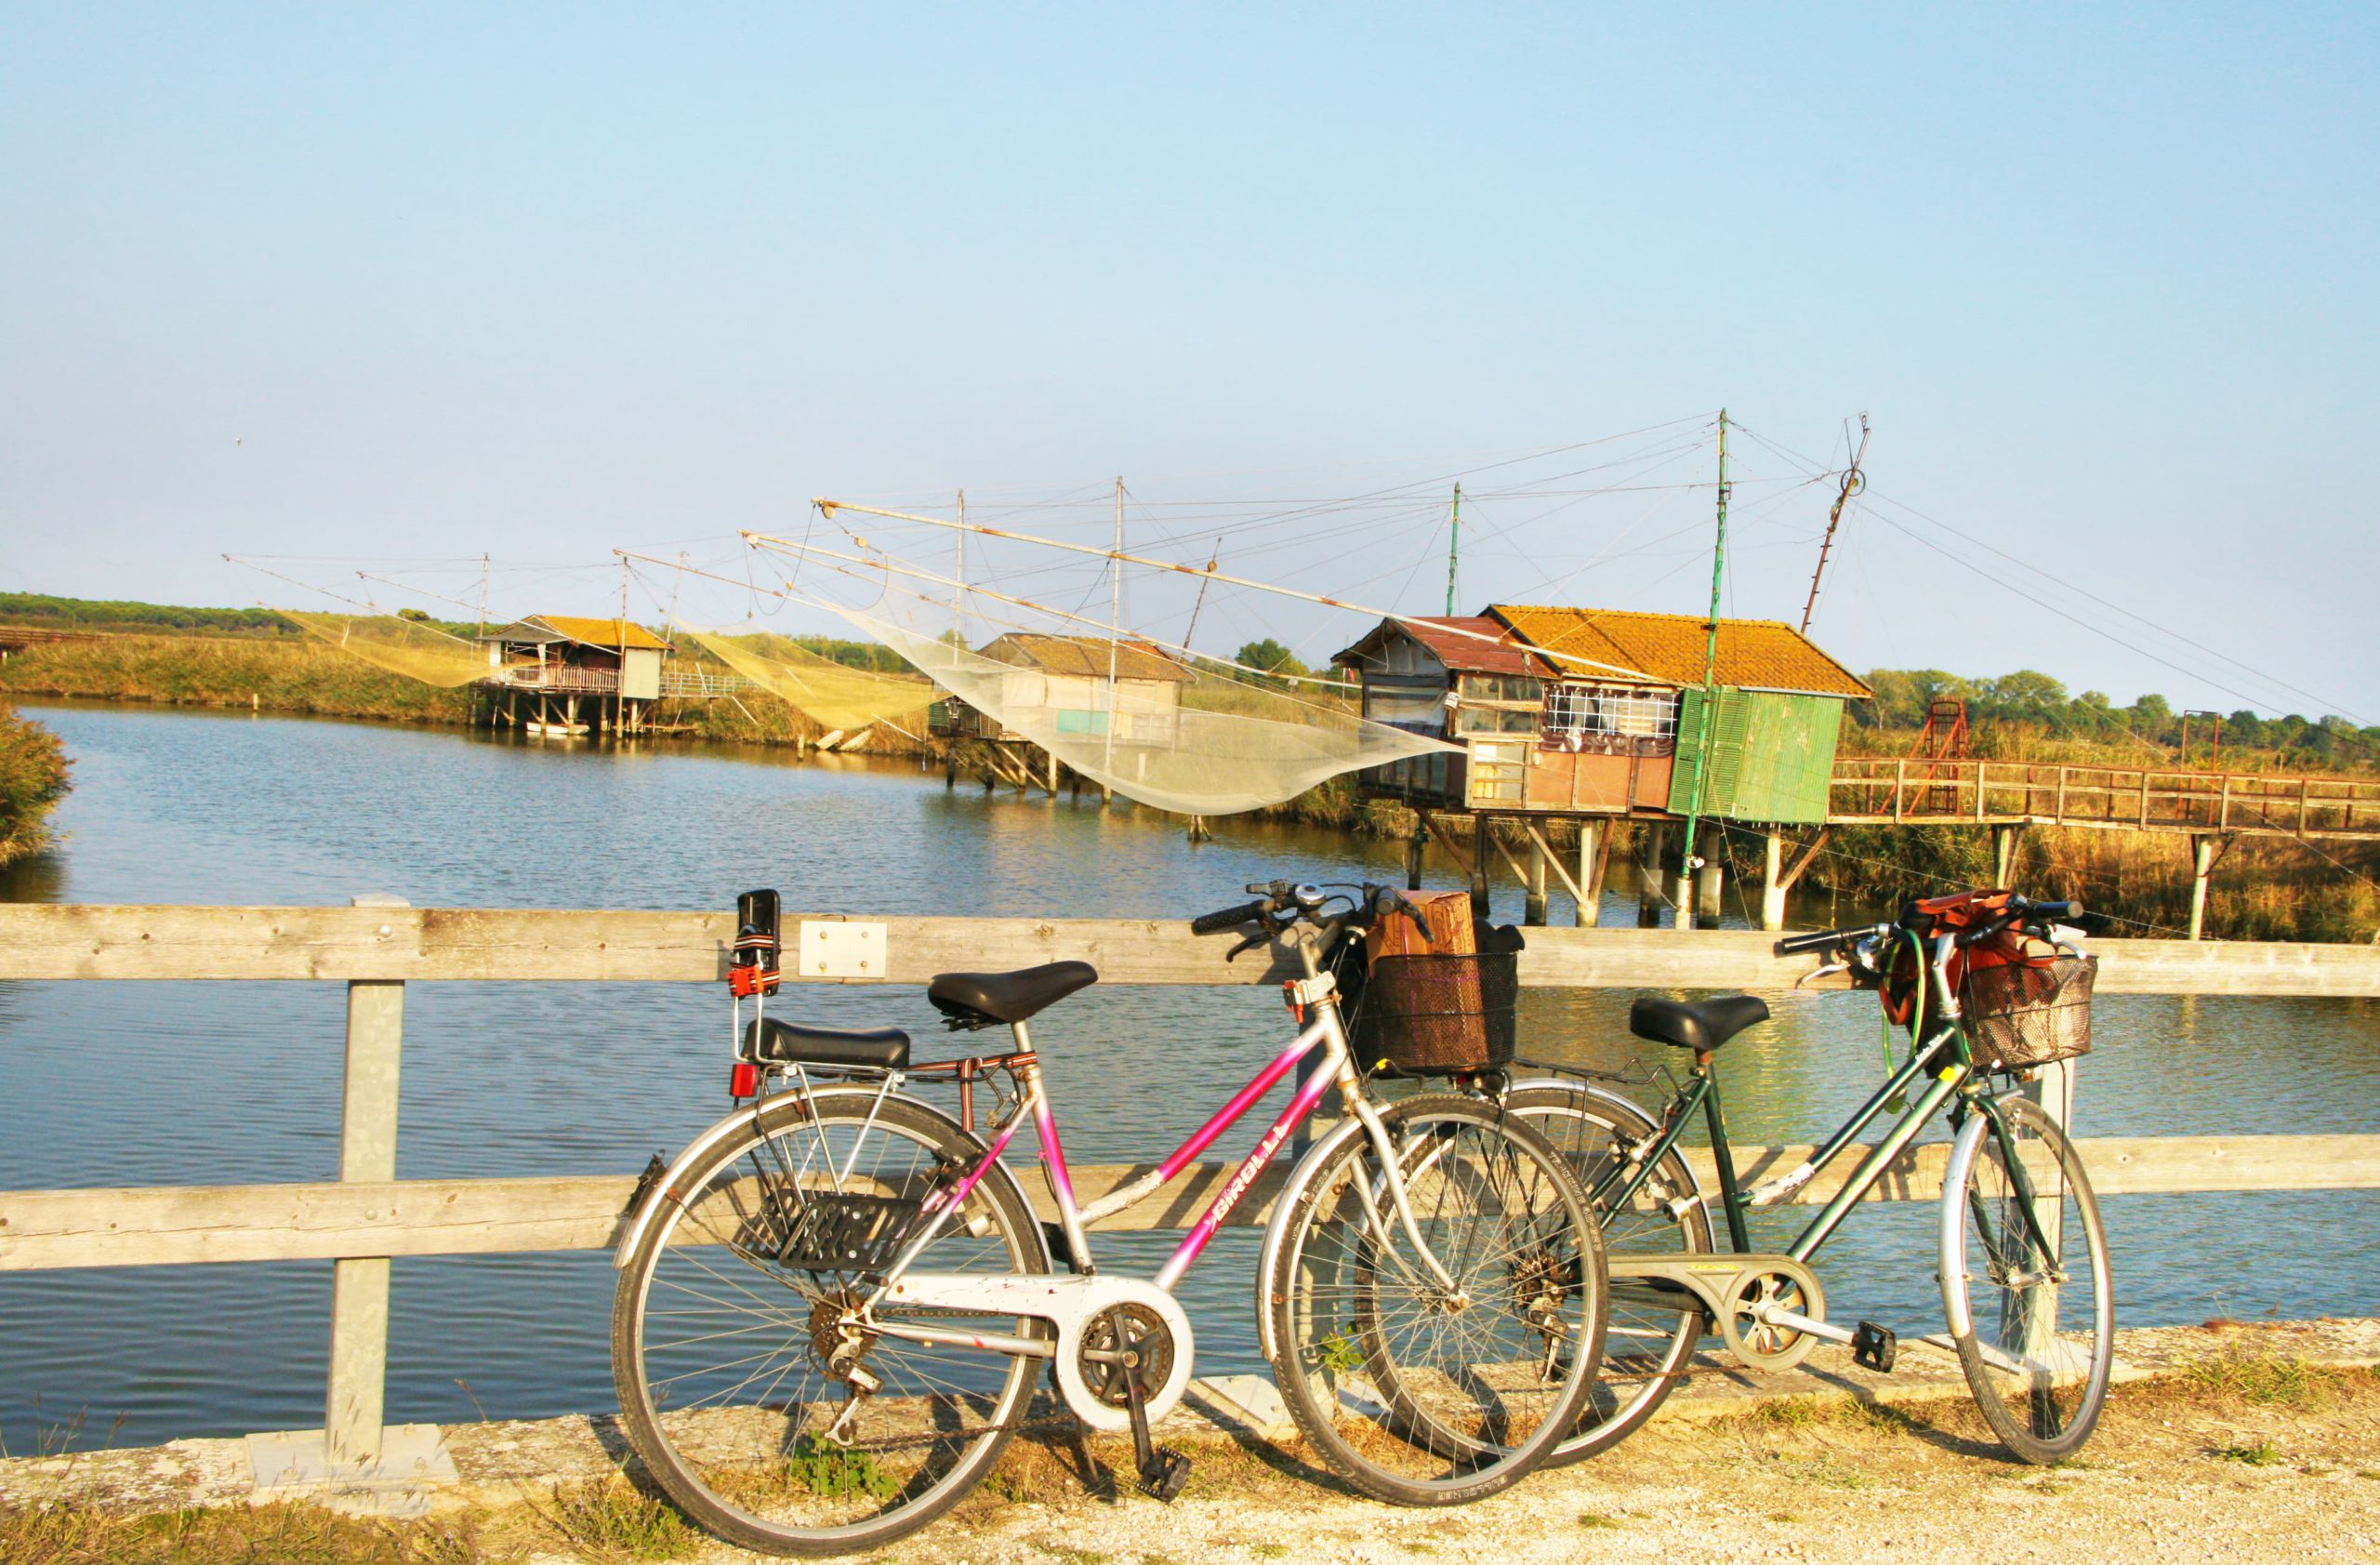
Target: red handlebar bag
(1961,911)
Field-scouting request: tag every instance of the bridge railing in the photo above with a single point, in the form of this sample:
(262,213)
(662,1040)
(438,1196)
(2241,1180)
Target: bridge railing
(367,1216)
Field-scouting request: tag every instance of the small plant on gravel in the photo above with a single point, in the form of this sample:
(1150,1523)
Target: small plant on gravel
(1281,1551)
(1785,1413)
(826,1469)
(2263,1453)
(1595,1518)
(1785,1519)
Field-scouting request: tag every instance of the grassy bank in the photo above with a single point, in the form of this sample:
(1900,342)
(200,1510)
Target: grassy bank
(286,675)
(309,679)
(32,779)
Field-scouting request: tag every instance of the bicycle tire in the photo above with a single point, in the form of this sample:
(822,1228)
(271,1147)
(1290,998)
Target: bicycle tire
(1531,1290)
(743,1453)
(1991,1280)
(1646,1347)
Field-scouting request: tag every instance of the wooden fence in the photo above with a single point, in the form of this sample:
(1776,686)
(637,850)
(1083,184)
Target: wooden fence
(379,946)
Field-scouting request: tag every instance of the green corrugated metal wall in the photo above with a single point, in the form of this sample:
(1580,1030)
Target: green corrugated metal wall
(1771,759)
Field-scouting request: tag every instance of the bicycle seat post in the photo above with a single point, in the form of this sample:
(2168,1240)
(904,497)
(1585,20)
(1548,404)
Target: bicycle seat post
(1730,1192)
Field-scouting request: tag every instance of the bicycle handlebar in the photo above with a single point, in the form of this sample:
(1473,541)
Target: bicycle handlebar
(1231,918)
(2019,911)
(1792,945)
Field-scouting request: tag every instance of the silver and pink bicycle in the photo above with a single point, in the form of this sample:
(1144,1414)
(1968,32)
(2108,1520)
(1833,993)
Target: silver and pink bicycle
(835,1309)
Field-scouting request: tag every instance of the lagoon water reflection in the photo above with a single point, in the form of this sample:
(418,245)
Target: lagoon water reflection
(157,1083)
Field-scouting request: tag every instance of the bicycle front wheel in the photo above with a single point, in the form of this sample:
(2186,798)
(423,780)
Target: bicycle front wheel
(2024,1280)
(1428,1391)
(754,1393)
(1653,1334)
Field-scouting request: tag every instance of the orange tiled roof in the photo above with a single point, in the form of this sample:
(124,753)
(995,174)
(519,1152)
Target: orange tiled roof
(599,632)
(1669,648)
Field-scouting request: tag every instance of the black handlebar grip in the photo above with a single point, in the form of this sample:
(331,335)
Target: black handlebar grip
(1230,917)
(1792,945)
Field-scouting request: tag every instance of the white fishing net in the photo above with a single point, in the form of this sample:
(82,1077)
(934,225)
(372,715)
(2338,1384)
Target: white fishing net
(401,646)
(829,694)
(1168,727)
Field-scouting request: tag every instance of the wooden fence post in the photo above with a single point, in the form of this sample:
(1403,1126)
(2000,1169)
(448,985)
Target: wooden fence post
(353,1410)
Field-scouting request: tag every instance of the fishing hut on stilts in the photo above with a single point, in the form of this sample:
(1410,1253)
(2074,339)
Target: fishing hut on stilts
(557,675)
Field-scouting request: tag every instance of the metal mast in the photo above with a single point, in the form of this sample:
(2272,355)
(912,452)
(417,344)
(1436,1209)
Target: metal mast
(1454,539)
(1114,619)
(1853,482)
(1688,860)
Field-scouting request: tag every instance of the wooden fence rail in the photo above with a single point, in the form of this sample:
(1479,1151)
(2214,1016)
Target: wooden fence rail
(377,947)
(531,946)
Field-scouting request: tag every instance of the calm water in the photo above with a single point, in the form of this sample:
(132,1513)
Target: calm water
(158,1083)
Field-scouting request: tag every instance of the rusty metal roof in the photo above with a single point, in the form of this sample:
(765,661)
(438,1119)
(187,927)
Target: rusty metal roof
(1084,656)
(1669,648)
(1444,635)
(610,634)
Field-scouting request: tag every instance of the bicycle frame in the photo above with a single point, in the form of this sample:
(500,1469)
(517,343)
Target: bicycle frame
(1333,1068)
(1951,1076)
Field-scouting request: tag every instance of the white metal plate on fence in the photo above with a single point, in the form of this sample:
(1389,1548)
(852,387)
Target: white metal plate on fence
(841,950)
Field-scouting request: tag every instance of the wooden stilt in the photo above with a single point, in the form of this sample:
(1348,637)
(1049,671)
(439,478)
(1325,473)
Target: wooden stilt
(1772,881)
(2202,871)
(1594,850)
(1708,879)
(1648,875)
(1413,846)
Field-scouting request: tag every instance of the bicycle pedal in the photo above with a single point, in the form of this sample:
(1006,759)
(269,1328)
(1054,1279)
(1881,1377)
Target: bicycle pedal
(1874,1347)
(1164,1473)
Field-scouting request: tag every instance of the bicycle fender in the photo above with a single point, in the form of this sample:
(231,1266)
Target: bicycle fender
(1277,1226)
(667,1187)
(1963,1152)
(1609,1099)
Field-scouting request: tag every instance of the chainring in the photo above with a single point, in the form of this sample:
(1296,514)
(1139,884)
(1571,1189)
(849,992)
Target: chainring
(1147,1335)
(1763,1346)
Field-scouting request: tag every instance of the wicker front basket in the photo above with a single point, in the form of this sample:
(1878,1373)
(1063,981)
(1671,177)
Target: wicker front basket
(1438,1016)
(2018,1016)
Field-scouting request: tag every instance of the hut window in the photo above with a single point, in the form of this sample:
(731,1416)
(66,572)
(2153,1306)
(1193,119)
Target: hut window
(1607,717)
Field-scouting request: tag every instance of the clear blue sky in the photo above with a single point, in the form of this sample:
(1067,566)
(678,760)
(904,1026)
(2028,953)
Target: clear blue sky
(425,281)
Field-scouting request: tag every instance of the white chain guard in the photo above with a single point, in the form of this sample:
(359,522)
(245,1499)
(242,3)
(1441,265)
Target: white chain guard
(1070,1303)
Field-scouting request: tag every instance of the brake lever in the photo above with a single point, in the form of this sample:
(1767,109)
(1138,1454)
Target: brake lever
(1827,971)
(1249,943)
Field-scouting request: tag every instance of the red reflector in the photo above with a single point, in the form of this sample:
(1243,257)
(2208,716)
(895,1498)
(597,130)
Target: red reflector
(744,1080)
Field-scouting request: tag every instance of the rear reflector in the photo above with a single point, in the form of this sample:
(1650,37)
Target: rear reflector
(744,1080)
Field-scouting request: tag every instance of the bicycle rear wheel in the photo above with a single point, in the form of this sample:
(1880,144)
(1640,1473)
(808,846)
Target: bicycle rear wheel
(733,1350)
(2031,1304)
(1416,1393)
(1651,1339)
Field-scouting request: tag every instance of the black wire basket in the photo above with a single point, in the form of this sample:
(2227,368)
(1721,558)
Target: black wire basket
(2020,1016)
(1436,1015)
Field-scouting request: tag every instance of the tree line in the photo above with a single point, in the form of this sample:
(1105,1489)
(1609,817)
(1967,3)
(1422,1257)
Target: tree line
(2032,698)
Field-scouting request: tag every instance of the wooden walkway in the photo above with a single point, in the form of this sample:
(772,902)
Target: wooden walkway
(1918,791)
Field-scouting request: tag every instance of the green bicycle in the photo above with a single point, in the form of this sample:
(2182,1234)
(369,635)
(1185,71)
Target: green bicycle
(1994,996)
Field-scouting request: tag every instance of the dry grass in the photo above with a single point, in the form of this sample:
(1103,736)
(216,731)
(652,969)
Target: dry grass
(2266,1380)
(79,1534)
(615,1522)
